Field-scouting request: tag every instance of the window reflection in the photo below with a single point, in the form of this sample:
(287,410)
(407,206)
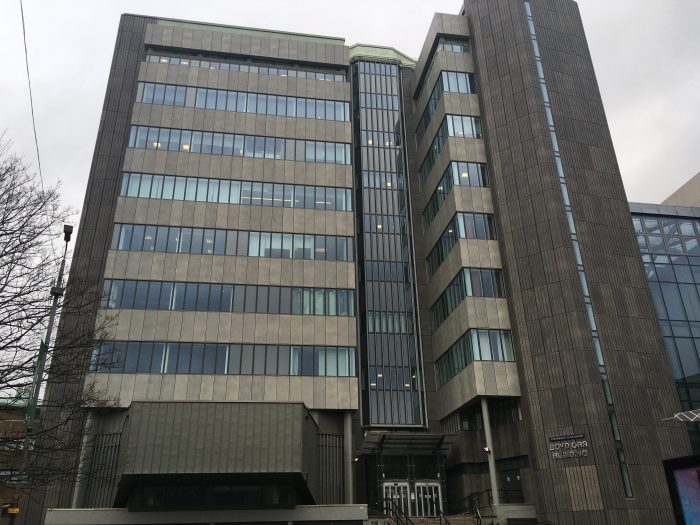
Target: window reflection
(460,126)
(129,294)
(141,137)
(248,68)
(168,187)
(474,345)
(234,359)
(462,226)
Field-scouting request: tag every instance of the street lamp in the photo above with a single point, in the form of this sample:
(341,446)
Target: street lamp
(56,293)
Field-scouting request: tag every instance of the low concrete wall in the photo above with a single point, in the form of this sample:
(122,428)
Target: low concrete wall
(305,513)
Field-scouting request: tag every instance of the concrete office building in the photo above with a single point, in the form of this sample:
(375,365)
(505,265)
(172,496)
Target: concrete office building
(340,276)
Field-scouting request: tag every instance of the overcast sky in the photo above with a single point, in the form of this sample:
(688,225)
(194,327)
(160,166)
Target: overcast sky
(646,55)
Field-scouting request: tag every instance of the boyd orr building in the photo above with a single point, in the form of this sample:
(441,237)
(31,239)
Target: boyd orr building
(341,282)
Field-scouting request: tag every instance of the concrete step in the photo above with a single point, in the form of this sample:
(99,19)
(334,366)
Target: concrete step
(452,520)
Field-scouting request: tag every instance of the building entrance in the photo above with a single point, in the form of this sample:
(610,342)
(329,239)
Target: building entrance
(428,498)
(397,493)
(422,498)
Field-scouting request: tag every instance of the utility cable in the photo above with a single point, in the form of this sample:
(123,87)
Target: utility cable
(31,104)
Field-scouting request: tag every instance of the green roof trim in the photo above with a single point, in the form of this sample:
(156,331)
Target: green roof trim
(251,31)
(381,53)
(13,402)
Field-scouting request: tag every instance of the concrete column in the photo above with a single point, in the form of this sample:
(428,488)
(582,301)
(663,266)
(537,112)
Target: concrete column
(85,451)
(348,460)
(493,475)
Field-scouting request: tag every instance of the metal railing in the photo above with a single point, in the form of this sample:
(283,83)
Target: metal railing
(443,518)
(477,500)
(392,510)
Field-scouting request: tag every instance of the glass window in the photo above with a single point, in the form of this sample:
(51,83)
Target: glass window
(307,360)
(166,292)
(149,238)
(235,197)
(247,359)
(259,359)
(234,358)
(190,304)
(250,297)
(310,151)
(285,300)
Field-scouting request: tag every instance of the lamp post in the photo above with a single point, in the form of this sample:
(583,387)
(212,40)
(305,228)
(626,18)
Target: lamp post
(56,293)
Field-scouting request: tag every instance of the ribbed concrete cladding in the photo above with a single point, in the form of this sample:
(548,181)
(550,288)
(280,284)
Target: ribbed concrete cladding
(554,351)
(273,438)
(256,198)
(478,379)
(442,60)
(236,41)
(317,393)
(145,325)
(450,29)
(220,269)
(173,163)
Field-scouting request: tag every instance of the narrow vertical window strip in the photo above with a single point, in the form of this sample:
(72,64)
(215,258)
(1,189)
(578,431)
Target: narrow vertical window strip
(582,275)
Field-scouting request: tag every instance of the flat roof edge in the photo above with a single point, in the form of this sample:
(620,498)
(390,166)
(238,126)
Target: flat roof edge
(663,209)
(381,52)
(176,22)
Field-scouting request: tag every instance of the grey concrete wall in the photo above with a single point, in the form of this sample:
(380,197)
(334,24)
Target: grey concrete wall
(475,312)
(350,514)
(248,42)
(319,393)
(559,376)
(213,438)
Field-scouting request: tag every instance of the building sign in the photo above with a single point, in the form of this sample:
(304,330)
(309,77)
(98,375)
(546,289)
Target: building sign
(568,446)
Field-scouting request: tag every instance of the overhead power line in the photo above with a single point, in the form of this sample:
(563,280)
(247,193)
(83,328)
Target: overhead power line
(31,105)
(31,98)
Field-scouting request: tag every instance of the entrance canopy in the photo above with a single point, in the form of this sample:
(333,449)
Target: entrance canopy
(401,443)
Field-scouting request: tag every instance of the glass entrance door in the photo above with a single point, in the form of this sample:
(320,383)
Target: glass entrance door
(397,493)
(428,499)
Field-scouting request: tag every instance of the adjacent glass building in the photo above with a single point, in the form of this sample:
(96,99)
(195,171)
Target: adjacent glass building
(668,239)
(345,283)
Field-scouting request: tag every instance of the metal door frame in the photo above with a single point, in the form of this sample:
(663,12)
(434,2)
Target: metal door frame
(424,490)
(400,493)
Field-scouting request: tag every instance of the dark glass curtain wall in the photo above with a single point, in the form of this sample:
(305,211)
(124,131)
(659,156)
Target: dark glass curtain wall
(391,373)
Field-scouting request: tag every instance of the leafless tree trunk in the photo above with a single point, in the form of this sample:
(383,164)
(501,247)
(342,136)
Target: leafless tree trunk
(31,220)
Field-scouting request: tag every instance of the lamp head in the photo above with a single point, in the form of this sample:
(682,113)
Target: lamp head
(67,231)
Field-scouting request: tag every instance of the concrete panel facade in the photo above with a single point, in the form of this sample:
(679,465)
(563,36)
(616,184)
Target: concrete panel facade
(560,381)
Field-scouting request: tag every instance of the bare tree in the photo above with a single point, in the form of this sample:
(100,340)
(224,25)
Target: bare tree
(31,223)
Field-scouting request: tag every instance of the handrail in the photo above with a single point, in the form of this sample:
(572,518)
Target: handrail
(442,516)
(398,512)
(477,516)
(473,500)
